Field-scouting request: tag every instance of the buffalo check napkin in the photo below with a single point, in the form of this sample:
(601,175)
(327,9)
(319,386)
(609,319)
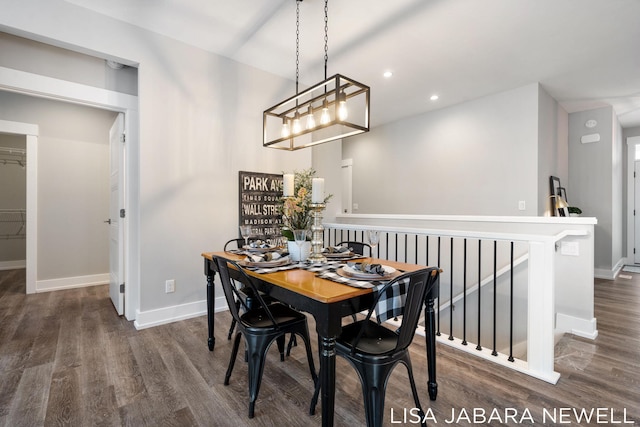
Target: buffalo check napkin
(390,305)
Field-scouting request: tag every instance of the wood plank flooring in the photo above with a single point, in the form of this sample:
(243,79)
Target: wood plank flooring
(67,359)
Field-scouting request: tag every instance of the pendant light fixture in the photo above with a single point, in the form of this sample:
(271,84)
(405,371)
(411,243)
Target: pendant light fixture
(335,108)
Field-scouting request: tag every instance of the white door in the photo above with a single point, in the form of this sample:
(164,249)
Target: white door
(115,221)
(636,182)
(347,190)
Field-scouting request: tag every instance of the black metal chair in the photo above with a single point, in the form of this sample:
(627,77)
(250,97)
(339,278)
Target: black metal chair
(236,243)
(374,350)
(244,295)
(358,247)
(260,326)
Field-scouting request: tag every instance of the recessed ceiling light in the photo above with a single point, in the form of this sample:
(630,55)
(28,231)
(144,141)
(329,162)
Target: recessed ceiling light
(434,97)
(387,74)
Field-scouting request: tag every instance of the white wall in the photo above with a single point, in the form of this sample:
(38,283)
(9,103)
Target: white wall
(461,160)
(596,182)
(553,148)
(28,55)
(200,123)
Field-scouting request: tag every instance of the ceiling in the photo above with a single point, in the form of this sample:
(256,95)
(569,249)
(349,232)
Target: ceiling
(585,53)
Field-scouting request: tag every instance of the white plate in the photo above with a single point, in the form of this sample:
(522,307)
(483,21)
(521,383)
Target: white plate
(338,254)
(276,263)
(357,274)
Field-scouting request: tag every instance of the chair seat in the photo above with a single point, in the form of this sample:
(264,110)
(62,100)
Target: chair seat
(376,339)
(282,314)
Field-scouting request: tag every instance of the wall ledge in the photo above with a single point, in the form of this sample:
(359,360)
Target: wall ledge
(577,220)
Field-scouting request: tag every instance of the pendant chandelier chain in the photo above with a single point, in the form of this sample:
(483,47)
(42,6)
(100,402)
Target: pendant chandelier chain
(326,36)
(297,43)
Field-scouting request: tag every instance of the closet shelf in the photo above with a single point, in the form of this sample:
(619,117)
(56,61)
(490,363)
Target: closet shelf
(13,156)
(13,224)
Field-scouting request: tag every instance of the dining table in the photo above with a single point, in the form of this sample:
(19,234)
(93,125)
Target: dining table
(302,287)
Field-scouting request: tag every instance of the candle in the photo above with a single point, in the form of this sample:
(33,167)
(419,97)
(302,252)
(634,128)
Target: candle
(287,185)
(317,190)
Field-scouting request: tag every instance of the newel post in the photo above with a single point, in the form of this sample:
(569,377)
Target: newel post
(541,312)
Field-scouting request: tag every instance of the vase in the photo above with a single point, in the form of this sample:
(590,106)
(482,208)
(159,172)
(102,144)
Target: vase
(298,254)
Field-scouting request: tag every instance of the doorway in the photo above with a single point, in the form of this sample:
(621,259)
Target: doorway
(39,86)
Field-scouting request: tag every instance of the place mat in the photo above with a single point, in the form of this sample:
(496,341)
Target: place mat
(319,267)
(264,270)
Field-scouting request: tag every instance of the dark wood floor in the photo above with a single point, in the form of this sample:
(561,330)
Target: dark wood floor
(67,359)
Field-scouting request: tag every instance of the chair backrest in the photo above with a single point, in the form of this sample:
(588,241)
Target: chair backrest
(237,243)
(231,292)
(358,247)
(420,282)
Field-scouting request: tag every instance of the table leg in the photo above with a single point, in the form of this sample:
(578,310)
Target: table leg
(328,378)
(430,335)
(210,307)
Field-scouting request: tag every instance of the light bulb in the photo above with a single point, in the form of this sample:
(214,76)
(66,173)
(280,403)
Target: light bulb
(343,113)
(325,117)
(311,121)
(285,129)
(296,128)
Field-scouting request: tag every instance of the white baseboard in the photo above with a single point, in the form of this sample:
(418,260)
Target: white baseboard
(165,315)
(13,265)
(71,282)
(601,273)
(577,326)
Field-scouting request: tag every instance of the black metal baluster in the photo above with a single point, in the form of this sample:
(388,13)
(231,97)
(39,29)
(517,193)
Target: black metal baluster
(511,359)
(464,294)
(495,276)
(451,295)
(386,247)
(396,248)
(438,331)
(479,347)
(406,247)
(426,252)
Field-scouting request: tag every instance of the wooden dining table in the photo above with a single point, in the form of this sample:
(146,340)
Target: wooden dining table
(328,302)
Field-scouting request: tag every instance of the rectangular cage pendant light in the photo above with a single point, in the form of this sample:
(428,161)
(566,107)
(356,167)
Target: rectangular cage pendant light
(335,108)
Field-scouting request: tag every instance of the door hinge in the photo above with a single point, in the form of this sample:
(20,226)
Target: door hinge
(122,288)
(123,138)
(121,213)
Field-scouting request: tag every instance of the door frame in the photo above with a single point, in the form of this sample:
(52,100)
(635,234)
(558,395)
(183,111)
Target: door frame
(51,88)
(632,141)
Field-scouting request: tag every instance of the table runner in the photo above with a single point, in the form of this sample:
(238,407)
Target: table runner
(390,305)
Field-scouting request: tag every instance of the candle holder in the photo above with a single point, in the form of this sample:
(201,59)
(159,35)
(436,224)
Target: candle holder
(317,233)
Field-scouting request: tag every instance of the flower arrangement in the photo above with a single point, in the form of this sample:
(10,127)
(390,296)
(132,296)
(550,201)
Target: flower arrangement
(296,210)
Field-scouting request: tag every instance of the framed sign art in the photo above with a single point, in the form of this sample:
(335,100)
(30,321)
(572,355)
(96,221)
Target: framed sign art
(260,200)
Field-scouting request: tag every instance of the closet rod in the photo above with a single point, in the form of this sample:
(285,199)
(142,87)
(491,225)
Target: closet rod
(13,156)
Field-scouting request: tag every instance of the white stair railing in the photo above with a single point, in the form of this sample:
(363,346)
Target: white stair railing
(535,257)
